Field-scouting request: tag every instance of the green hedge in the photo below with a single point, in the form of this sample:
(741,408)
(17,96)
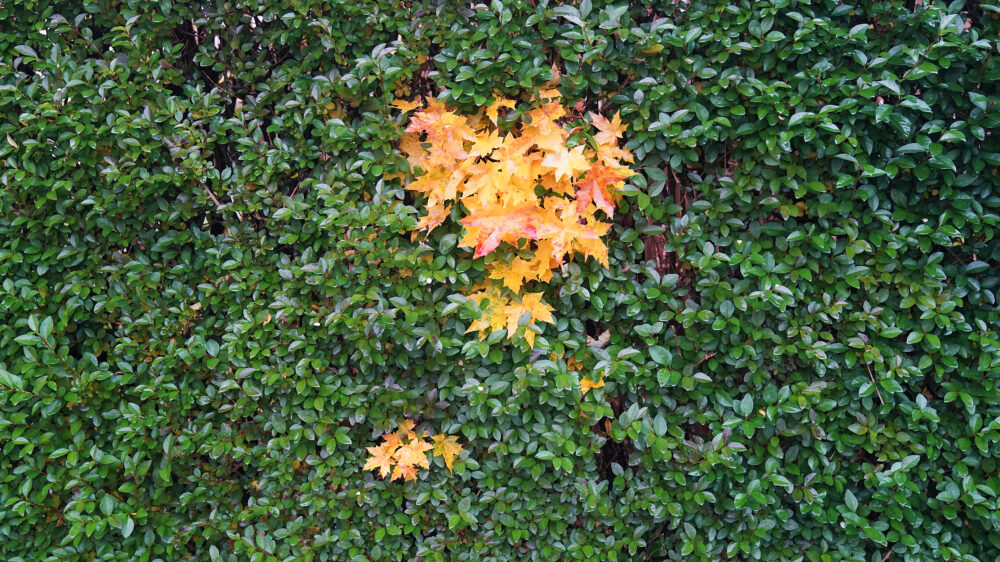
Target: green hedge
(211,302)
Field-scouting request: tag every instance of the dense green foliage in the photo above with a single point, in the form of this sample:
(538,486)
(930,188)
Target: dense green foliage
(211,302)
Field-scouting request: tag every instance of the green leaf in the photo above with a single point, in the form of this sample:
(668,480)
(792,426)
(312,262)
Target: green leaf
(875,535)
(851,501)
(660,354)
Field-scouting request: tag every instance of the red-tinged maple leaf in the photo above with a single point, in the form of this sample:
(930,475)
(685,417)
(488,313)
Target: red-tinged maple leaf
(610,131)
(594,188)
(561,226)
(447,447)
(487,228)
(381,459)
(497,180)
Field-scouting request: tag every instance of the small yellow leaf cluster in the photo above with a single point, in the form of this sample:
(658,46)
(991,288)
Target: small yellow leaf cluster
(403,451)
(495,178)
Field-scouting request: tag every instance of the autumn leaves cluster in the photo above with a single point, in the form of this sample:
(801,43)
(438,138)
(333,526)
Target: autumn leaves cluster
(402,452)
(525,181)
(522,181)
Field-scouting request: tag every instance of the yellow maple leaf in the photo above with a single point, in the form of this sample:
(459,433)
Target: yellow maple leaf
(485,144)
(532,305)
(405,106)
(413,453)
(414,150)
(446,446)
(406,426)
(567,162)
(493,111)
(586,383)
(561,226)
(545,133)
(515,273)
(492,304)
(381,459)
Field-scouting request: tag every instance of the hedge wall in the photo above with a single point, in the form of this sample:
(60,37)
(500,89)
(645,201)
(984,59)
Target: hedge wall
(212,301)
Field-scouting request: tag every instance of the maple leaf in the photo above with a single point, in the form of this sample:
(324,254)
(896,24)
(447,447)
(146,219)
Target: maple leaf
(519,270)
(413,453)
(434,217)
(532,305)
(414,150)
(486,228)
(610,131)
(405,106)
(493,111)
(545,134)
(566,162)
(381,458)
(484,145)
(392,441)
(561,226)
(586,383)
(492,305)
(610,154)
(406,471)
(446,446)
(406,426)
(512,274)
(594,188)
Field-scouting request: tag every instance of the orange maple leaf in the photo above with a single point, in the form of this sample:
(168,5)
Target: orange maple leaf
(487,228)
(381,458)
(405,106)
(413,453)
(392,441)
(610,131)
(594,188)
(406,471)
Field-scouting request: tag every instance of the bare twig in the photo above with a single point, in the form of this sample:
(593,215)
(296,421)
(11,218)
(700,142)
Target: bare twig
(876,388)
